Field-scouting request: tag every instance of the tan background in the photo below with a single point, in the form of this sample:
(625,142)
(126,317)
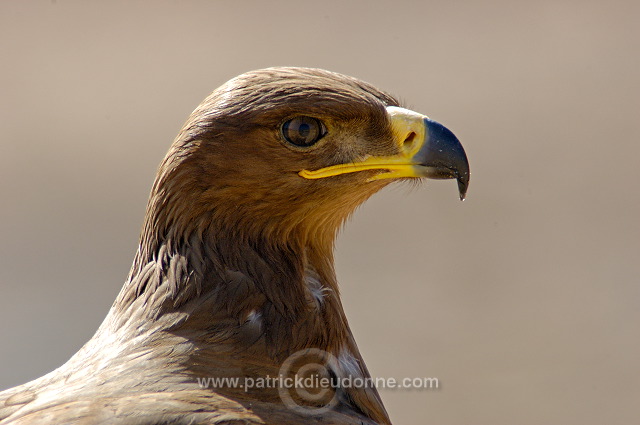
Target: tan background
(524,300)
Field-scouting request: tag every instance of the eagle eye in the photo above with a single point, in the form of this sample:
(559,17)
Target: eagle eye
(303,131)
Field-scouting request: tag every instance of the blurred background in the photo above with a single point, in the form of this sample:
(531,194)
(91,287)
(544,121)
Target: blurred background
(524,301)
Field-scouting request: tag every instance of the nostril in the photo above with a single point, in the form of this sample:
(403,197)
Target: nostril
(408,141)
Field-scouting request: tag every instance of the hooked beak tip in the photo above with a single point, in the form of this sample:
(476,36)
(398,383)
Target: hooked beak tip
(444,156)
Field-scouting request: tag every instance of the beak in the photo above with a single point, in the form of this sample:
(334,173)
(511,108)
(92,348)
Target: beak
(427,149)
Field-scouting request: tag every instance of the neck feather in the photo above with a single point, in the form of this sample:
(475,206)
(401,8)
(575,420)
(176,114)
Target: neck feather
(213,285)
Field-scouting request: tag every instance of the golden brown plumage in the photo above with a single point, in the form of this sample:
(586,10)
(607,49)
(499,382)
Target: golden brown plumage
(234,271)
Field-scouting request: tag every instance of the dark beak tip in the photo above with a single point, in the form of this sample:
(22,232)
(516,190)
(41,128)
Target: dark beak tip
(445,150)
(462,188)
(463,183)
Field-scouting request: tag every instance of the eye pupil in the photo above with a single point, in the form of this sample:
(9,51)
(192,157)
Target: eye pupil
(303,131)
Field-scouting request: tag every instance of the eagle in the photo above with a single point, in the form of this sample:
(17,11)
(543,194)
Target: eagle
(232,293)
